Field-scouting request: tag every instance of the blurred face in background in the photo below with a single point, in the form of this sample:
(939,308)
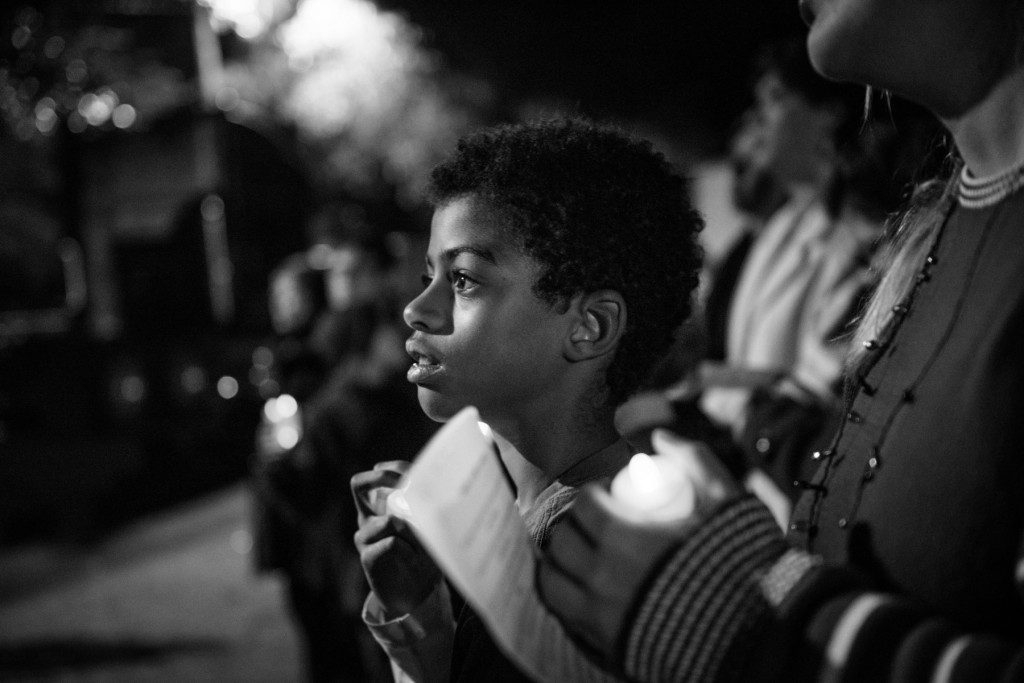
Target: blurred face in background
(754,189)
(354,277)
(291,305)
(792,139)
(944,54)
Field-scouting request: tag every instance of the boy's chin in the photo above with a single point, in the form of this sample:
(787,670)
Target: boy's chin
(438,407)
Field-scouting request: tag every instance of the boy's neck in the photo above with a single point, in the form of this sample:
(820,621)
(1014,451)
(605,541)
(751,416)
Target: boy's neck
(537,455)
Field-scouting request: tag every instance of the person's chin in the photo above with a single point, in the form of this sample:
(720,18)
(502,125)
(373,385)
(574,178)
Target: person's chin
(436,405)
(807,12)
(834,50)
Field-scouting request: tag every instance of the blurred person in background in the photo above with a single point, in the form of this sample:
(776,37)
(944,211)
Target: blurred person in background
(904,556)
(358,280)
(757,195)
(297,299)
(816,183)
(360,411)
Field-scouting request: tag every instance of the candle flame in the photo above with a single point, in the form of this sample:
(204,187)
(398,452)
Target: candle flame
(486,429)
(398,505)
(645,473)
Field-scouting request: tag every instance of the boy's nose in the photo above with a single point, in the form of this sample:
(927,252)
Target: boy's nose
(426,312)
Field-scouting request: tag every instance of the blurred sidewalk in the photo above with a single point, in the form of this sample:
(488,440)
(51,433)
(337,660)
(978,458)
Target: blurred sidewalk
(172,598)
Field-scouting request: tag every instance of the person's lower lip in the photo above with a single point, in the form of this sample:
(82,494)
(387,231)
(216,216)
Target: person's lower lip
(421,373)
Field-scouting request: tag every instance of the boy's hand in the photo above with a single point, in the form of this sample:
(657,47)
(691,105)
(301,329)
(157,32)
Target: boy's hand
(400,572)
(599,558)
(370,489)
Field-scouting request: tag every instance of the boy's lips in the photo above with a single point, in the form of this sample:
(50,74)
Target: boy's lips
(426,364)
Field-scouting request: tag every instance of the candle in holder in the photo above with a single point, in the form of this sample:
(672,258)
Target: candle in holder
(398,506)
(656,488)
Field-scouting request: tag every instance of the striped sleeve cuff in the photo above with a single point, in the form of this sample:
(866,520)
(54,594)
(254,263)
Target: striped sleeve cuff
(710,595)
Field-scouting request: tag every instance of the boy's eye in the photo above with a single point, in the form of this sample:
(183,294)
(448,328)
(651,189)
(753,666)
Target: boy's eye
(460,281)
(426,279)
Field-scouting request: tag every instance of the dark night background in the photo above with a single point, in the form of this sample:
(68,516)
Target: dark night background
(684,66)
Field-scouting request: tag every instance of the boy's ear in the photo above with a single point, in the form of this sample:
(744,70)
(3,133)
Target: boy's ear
(600,323)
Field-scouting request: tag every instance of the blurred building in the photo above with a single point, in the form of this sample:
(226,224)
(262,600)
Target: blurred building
(137,229)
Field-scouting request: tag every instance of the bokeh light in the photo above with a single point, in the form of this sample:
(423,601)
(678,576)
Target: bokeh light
(227,387)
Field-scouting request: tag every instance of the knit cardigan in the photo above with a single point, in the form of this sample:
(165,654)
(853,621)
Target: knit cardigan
(904,562)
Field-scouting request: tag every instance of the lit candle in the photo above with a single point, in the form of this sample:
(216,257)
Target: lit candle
(398,506)
(656,488)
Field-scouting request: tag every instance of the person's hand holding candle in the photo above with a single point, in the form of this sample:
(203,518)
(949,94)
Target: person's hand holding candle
(654,489)
(400,572)
(600,556)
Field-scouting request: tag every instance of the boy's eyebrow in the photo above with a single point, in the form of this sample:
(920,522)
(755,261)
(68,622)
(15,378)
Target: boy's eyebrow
(485,254)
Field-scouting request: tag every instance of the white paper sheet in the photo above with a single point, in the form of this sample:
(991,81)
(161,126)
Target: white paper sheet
(462,509)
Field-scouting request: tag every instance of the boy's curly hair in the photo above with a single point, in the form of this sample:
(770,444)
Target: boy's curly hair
(598,209)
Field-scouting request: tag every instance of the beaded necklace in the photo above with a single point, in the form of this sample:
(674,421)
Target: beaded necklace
(831,457)
(978,193)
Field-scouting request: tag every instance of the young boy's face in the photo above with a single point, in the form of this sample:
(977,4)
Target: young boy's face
(481,336)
